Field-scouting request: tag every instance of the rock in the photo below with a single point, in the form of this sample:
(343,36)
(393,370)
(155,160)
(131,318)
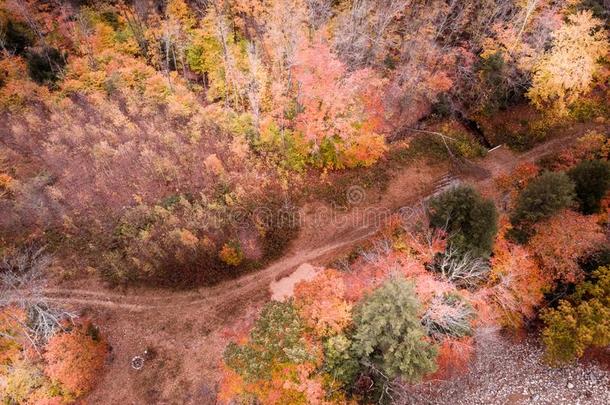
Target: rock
(570,385)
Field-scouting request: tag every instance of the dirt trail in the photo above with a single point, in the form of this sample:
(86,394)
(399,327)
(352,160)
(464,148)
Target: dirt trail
(324,231)
(188,330)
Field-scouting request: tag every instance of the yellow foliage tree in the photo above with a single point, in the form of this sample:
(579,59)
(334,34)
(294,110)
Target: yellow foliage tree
(566,72)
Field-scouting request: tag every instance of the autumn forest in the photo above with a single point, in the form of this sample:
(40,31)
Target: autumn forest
(304,202)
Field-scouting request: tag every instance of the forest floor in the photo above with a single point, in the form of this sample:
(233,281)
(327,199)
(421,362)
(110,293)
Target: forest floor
(185,332)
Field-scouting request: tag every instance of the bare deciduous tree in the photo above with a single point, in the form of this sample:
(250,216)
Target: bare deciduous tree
(462,269)
(22,283)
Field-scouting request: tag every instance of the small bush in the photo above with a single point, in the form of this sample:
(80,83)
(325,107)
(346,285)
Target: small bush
(470,220)
(528,135)
(543,197)
(592,180)
(231,254)
(586,110)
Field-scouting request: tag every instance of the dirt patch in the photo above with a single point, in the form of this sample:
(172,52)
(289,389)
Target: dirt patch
(283,288)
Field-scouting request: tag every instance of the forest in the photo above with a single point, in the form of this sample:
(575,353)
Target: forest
(425,177)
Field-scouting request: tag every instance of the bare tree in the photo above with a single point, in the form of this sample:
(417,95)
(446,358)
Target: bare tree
(448,316)
(254,85)
(22,283)
(462,269)
(362,34)
(319,12)
(381,248)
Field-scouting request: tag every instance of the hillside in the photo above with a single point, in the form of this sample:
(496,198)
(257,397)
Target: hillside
(304,202)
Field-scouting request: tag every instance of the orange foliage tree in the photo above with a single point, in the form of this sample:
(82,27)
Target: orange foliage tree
(321,303)
(561,240)
(517,282)
(76,358)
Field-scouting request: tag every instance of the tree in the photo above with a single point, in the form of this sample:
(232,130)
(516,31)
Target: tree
(321,303)
(340,360)
(388,333)
(542,198)
(516,283)
(592,181)
(22,281)
(449,315)
(514,182)
(76,358)
(277,337)
(462,269)
(560,241)
(580,321)
(340,113)
(567,70)
(15,36)
(470,220)
(453,357)
(22,383)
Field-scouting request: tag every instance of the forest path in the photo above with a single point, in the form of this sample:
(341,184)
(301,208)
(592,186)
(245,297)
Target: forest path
(324,232)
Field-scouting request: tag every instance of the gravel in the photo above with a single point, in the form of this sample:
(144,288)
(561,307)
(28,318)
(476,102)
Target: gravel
(506,372)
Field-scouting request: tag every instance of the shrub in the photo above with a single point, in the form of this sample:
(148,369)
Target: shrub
(543,197)
(169,243)
(587,110)
(592,180)
(231,254)
(45,65)
(388,333)
(581,321)
(76,358)
(23,380)
(470,220)
(596,259)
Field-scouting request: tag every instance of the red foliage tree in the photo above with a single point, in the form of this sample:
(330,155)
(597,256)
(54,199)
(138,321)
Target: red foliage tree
(76,358)
(561,240)
(453,357)
(337,106)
